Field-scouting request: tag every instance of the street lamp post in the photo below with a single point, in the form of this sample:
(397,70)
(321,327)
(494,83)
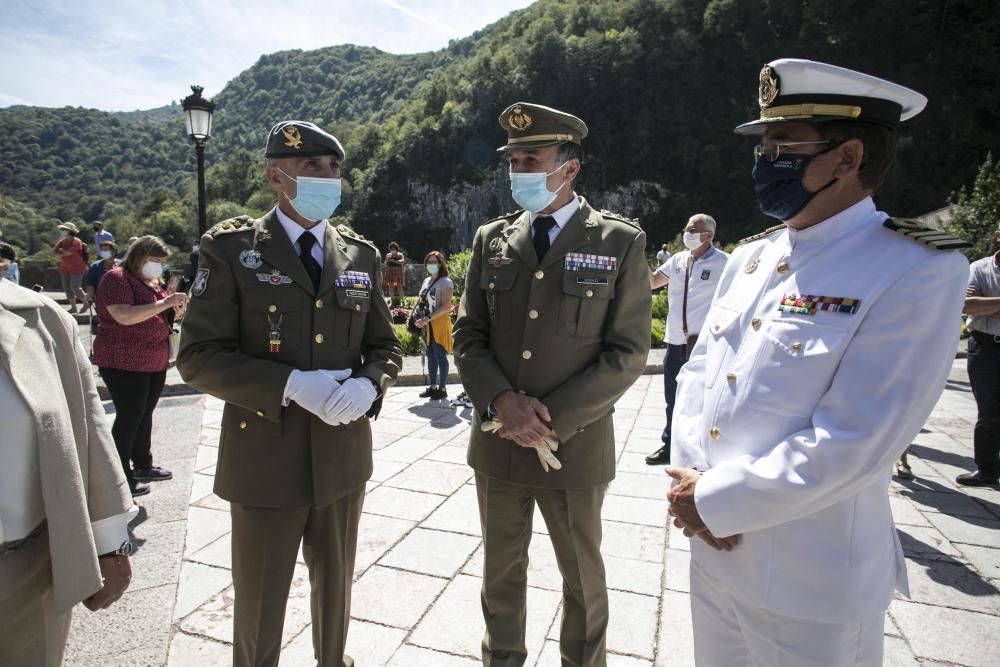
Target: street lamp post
(198,118)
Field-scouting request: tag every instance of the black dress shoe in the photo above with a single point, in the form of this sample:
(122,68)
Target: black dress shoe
(427,393)
(660,457)
(153,474)
(138,488)
(976,479)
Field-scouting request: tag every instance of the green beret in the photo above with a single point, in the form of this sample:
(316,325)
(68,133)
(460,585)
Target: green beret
(533,126)
(296,138)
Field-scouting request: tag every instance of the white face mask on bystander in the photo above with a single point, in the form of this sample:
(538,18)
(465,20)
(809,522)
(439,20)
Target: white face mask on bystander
(152,270)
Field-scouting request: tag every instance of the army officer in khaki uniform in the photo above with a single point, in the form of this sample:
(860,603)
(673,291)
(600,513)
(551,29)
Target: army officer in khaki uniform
(552,329)
(287,324)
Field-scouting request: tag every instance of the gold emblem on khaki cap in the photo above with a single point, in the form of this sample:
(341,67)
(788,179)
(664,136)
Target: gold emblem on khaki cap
(519,119)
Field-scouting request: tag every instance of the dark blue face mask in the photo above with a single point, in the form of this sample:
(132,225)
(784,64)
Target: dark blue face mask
(778,184)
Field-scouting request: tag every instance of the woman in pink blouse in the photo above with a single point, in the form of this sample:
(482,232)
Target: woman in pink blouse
(132,351)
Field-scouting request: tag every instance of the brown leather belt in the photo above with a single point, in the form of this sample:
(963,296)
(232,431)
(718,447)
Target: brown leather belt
(14,545)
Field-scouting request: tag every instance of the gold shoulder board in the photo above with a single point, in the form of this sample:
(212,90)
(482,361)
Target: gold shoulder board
(757,237)
(506,216)
(241,223)
(621,218)
(929,236)
(351,234)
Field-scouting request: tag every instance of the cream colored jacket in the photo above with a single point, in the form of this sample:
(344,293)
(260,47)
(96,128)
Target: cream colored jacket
(82,480)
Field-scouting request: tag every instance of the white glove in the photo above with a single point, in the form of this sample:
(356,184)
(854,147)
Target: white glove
(353,400)
(544,449)
(316,391)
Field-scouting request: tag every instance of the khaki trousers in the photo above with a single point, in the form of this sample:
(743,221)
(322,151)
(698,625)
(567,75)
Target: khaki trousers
(32,631)
(265,545)
(573,518)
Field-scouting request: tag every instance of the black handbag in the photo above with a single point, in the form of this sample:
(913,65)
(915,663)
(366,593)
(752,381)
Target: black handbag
(421,311)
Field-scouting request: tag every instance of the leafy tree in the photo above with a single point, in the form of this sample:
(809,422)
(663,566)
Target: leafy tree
(976,214)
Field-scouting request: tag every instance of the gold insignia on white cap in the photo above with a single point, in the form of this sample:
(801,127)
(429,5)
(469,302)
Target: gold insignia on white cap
(768,87)
(792,89)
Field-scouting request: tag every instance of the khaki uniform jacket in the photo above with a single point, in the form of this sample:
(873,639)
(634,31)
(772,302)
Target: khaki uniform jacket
(574,336)
(269,455)
(82,478)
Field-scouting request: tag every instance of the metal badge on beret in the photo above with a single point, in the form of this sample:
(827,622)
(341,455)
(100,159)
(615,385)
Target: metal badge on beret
(519,119)
(292,136)
(769,87)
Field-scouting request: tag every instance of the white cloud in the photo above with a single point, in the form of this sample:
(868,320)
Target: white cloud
(124,55)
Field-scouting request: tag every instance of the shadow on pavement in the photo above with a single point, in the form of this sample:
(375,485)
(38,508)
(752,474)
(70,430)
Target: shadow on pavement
(139,519)
(945,569)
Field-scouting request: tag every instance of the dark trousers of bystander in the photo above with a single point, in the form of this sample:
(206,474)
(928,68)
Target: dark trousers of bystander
(673,359)
(984,376)
(135,395)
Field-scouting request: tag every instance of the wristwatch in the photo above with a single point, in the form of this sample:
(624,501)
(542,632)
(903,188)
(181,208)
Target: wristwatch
(123,550)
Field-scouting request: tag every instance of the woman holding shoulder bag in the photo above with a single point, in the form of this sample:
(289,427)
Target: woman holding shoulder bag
(132,351)
(436,292)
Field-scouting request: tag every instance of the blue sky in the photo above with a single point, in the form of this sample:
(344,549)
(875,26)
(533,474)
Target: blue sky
(121,55)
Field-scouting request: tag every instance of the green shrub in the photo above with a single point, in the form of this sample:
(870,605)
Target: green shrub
(657,332)
(660,306)
(410,343)
(458,267)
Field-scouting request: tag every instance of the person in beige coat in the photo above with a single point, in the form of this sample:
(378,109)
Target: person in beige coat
(64,502)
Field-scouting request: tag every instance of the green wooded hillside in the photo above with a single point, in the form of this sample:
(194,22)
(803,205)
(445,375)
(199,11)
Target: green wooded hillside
(661,83)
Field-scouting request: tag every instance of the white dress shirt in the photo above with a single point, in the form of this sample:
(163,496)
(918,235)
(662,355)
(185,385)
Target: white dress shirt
(561,216)
(22,507)
(294,230)
(705,274)
(796,418)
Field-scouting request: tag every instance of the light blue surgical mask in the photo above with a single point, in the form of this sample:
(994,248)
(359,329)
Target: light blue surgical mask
(315,198)
(531,191)
(433,269)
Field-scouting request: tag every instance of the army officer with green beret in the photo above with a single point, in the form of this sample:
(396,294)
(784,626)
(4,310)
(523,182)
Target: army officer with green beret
(552,329)
(287,324)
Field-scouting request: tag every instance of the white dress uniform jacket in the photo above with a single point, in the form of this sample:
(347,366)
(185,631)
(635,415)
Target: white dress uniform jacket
(796,419)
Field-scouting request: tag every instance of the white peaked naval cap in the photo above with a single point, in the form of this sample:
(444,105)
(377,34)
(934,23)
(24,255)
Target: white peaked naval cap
(791,89)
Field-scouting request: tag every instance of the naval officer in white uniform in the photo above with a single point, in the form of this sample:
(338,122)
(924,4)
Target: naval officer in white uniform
(827,346)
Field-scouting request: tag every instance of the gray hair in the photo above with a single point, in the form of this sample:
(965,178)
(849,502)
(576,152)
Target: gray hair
(703,217)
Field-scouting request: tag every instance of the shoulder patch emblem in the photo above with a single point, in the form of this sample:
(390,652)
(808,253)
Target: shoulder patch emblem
(200,282)
(250,259)
(929,236)
(757,237)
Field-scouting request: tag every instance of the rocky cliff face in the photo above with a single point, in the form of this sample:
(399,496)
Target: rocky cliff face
(465,206)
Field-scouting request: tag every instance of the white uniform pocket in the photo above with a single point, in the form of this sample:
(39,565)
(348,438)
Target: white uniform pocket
(795,365)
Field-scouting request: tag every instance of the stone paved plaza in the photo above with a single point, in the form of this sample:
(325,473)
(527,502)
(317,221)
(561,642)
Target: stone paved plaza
(417,580)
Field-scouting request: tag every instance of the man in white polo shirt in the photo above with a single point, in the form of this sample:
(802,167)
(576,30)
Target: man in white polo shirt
(982,304)
(691,277)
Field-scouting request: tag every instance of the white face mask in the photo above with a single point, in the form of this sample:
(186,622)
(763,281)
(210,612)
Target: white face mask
(63,233)
(106,254)
(692,240)
(152,270)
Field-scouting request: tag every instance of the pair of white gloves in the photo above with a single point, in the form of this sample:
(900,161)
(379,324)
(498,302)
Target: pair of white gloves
(544,448)
(333,396)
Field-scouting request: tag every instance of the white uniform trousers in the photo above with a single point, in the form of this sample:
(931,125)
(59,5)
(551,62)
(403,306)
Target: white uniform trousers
(731,633)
